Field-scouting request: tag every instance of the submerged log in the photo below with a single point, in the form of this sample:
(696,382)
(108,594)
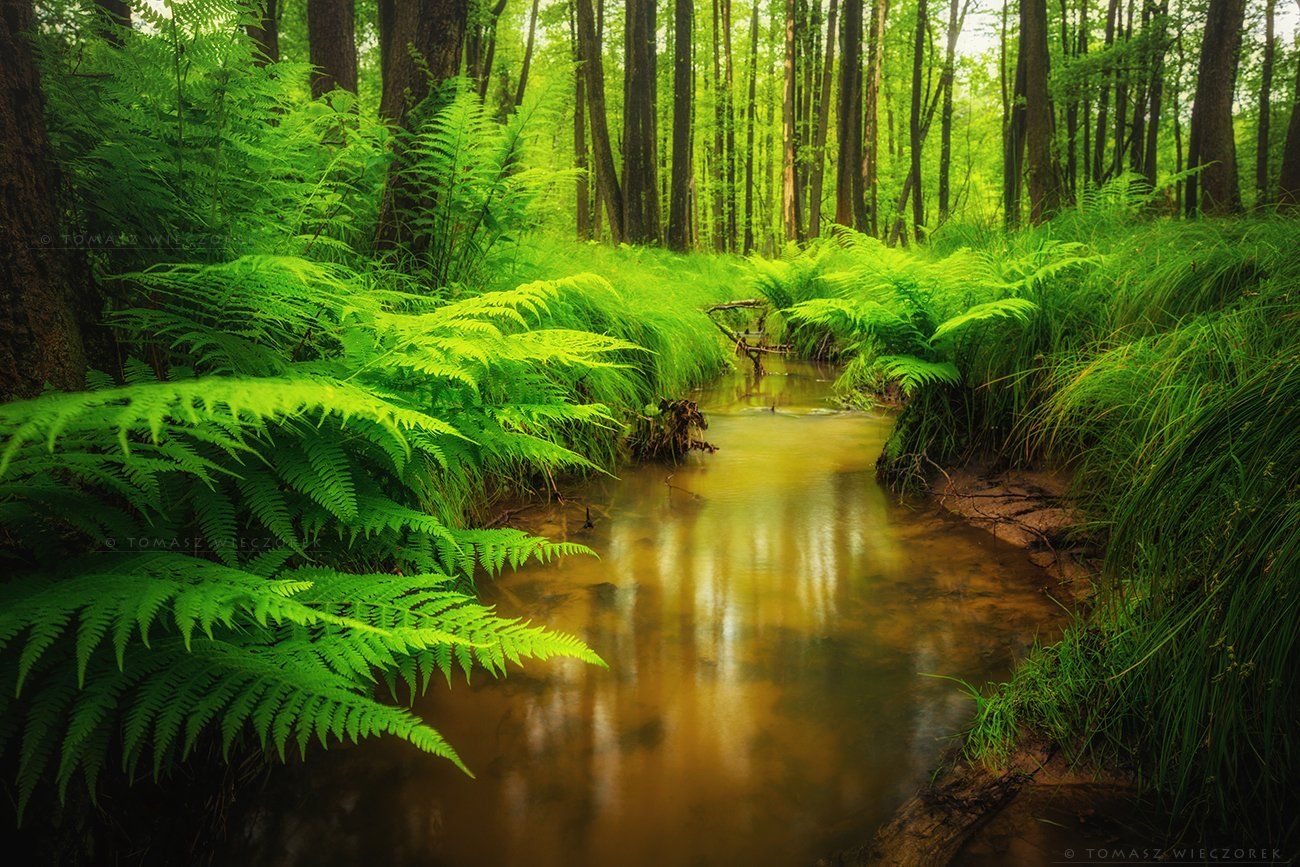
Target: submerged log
(934,824)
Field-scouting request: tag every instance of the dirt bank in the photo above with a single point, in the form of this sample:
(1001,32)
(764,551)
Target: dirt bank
(1029,509)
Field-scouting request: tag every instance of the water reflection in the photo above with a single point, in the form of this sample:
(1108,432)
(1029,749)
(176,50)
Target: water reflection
(767,613)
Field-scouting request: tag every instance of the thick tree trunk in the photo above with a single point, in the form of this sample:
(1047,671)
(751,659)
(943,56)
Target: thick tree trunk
(869,219)
(790,212)
(40,339)
(848,178)
(914,119)
(528,56)
(266,32)
(945,115)
(823,125)
(750,113)
(115,17)
(640,162)
(332,32)
(679,201)
(607,184)
(1288,193)
(1212,146)
(435,30)
(1044,174)
(1262,176)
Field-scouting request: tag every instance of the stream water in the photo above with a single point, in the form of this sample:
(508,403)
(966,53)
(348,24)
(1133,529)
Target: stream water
(769,615)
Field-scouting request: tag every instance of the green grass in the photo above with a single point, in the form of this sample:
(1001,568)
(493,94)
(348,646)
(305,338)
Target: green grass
(1160,363)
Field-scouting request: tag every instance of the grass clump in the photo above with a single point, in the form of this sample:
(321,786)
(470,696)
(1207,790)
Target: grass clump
(1160,362)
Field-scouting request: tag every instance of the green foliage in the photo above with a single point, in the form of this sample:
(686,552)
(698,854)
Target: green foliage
(265,513)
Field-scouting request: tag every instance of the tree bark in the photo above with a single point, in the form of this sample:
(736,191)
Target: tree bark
(528,56)
(115,16)
(1103,101)
(332,34)
(869,218)
(593,70)
(1212,146)
(679,201)
(265,33)
(640,162)
(435,30)
(582,191)
(40,339)
(1013,163)
(1262,176)
(750,113)
(914,118)
(729,121)
(848,178)
(1156,91)
(823,124)
(790,211)
(1044,175)
(1288,193)
(945,115)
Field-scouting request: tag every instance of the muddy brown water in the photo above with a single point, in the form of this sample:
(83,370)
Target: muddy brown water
(769,615)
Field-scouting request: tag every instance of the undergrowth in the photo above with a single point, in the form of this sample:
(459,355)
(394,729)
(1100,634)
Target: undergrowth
(254,528)
(1160,363)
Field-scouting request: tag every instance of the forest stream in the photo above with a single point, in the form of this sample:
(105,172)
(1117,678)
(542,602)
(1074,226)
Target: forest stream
(769,615)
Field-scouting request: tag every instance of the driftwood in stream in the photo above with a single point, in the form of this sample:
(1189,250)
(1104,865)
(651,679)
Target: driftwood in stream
(672,432)
(932,826)
(753,351)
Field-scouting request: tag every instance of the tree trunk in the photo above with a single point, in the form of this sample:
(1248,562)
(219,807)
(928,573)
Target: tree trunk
(750,113)
(823,124)
(332,34)
(729,119)
(1265,108)
(593,70)
(848,185)
(1044,176)
(528,56)
(1121,101)
(483,73)
(582,191)
(945,116)
(716,173)
(266,33)
(1288,193)
(640,161)
(40,340)
(869,217)
(1156,91)
(679,198)
(791,217)
(1212,147)
(435,30)
(1013,163)
(914,119)
(1103,102)
(115,16)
